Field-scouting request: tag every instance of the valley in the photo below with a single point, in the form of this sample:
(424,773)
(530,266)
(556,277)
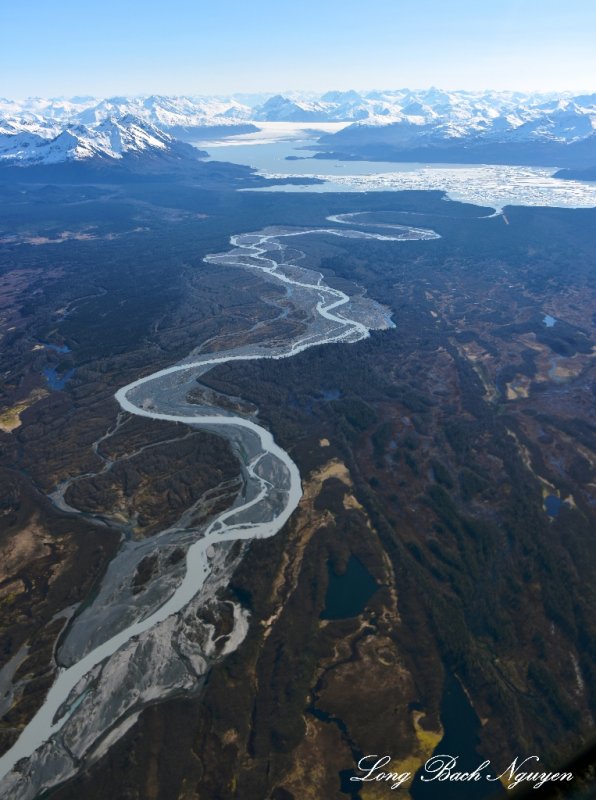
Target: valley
(426,454)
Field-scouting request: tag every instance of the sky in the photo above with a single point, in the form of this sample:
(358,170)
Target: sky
(127,47)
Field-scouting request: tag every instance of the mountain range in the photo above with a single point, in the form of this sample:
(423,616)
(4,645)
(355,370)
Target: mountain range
(490,127)
(504,127)
(108,139)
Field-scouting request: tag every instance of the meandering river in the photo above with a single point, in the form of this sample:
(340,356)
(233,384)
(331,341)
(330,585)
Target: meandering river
(75,707)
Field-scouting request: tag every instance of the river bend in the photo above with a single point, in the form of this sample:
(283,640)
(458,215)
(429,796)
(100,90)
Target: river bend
(81,709)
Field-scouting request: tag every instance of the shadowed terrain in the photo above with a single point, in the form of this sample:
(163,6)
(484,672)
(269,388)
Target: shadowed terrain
(447,468)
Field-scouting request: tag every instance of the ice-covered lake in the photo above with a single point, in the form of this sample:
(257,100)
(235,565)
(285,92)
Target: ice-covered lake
(483,184)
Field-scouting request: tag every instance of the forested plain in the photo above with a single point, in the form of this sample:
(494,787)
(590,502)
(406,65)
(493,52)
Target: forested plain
(427,452)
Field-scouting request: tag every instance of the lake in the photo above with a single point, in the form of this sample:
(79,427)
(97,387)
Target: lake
(489,185)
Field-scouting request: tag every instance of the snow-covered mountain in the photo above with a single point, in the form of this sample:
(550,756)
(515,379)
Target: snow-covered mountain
(435,106)
(25,142)
(169,114)
(331,107)
(499,116)
(510,124)
(495,127)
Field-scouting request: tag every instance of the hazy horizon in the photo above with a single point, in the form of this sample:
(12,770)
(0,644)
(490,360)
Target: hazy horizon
(246,97)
